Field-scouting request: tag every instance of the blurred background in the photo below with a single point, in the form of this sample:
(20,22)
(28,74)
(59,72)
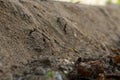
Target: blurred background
(94,2)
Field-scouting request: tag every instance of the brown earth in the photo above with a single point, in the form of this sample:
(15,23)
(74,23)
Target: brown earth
(33,30)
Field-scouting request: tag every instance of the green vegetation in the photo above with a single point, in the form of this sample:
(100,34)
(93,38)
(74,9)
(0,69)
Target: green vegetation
(74,0)
(108,1)
(118,2)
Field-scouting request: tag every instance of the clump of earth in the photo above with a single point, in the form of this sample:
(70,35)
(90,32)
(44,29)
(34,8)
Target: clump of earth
(40,36)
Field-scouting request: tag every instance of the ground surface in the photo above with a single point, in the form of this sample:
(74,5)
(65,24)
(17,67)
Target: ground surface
(34,32)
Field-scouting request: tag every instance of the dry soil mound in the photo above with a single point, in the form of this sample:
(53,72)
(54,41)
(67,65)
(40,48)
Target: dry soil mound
(31,30)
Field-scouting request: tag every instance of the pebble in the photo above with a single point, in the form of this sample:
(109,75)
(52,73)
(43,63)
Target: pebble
(58,76)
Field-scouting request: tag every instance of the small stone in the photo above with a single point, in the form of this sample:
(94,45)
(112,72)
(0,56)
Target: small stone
(72,62)
(58,76)
(67,61)
(62,67)
(66,72)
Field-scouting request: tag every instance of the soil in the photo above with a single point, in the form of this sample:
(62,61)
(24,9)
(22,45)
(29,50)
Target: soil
(41,33)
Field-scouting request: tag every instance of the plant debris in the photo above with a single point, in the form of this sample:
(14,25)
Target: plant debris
(96,69)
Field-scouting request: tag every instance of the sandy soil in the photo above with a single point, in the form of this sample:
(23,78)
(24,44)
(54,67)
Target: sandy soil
(34,32)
